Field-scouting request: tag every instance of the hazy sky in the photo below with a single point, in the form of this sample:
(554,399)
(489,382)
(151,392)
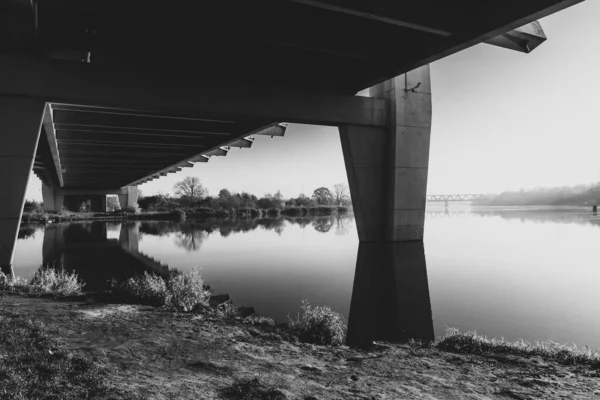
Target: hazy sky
(501,120)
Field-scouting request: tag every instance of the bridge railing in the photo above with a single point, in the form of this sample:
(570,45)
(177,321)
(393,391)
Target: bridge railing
(455,197)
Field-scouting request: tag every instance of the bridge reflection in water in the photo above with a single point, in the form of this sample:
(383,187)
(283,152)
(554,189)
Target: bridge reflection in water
(85,249)
(390,297)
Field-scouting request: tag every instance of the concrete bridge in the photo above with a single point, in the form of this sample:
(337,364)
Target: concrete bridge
(97,97)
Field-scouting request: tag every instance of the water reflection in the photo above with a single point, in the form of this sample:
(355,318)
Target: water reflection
(84,248)
(390,297)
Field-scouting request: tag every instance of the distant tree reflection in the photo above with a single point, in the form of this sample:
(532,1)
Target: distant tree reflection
(191,240)
(342,226)
(322,225)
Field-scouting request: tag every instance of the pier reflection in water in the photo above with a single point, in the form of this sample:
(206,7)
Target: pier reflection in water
(84,248)
(390,298)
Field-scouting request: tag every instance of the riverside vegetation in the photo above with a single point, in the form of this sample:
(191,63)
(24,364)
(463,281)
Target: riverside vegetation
(180,343)
(191,200)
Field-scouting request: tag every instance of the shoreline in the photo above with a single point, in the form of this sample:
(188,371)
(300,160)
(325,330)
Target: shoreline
(183,215)
(157,354)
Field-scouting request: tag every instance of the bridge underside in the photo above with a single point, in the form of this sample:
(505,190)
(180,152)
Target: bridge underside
(103,95)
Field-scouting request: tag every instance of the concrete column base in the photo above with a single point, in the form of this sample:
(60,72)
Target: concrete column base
(390,298)
(130,199)
(20,124)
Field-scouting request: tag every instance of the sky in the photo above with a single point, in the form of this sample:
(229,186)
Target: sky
(502,120)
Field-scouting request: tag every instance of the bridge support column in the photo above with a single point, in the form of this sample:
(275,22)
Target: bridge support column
(20,124)
(387,167)
(52,200)
(130,198)
(387,174)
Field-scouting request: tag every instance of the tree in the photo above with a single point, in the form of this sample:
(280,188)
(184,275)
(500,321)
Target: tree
(322,196)
(191,189)
(340,193)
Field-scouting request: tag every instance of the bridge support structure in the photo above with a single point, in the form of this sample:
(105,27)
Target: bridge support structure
(56,198)
(387,174)
(20,125)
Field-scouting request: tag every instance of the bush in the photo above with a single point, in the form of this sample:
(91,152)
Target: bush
(273,212)
(179,292)
(10,284)
(319,325)
(186,292)
(48,281)
(178,215)
(146,289)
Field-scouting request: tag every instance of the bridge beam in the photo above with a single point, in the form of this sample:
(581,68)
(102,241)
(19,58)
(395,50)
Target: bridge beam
(387,167)
(20,125)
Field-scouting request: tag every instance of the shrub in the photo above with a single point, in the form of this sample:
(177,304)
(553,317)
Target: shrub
(48,281)
(319,325)
(273,212)
(178,215)
(146,289)
(10,284)
(186,292)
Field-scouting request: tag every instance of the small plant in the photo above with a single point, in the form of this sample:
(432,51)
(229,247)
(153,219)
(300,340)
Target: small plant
(49,281)
(319,325)
(186,292)
(470,342)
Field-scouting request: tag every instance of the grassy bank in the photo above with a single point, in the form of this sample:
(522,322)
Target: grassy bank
(188,355)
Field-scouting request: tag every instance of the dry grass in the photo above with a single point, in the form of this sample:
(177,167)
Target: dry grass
(470,342)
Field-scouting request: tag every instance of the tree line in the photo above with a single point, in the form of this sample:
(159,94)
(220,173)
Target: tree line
(190,193)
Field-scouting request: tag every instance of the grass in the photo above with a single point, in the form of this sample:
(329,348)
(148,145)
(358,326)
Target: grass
(318,325)
(179,292)
(35,365)
(45,282)
(472,343)
(253,389)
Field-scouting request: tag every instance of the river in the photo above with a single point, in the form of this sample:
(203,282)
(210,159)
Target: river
(530,273)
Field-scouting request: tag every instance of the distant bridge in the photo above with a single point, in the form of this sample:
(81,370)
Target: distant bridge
(455,197)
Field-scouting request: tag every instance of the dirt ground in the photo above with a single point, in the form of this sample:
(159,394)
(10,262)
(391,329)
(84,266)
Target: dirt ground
(163,355)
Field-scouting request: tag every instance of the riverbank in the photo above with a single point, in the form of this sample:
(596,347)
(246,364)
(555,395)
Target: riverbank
(154,354)
(183,214)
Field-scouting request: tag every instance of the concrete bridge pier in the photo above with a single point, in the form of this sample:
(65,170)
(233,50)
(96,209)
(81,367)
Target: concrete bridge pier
(130,198)
(20,125)
(387,167)
(52,200)
(387,174)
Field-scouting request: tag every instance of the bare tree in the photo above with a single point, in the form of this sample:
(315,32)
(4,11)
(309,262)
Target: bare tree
(190,188)
(340,193)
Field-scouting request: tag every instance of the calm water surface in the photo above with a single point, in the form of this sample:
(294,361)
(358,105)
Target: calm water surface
(530,273)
